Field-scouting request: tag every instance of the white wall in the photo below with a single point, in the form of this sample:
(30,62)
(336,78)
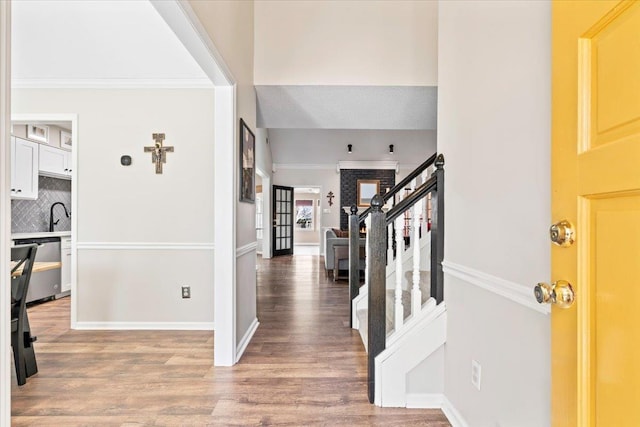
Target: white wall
(346,43)
(230,26)
(328,146)
(135,206)
(494,130)
(428,376)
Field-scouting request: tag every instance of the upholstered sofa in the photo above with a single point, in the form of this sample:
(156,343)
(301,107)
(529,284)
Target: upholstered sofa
(332,240)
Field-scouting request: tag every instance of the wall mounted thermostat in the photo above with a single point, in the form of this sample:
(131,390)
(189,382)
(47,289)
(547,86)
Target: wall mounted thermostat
(125,160)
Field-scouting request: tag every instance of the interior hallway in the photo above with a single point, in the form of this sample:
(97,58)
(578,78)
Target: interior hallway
(303,367)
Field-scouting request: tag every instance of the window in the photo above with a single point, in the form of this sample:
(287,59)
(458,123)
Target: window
(304,215)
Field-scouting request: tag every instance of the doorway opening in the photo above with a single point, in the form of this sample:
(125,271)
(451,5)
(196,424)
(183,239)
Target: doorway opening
(308,218)
(44,198)
(263,214)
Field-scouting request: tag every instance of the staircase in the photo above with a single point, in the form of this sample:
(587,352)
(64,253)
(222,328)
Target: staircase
(399,311)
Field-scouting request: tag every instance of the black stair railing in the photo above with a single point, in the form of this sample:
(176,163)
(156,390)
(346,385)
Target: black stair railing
(355,222)
(377,250)
(402,184)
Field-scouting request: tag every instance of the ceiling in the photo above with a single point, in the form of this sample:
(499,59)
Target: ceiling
(347,107)
(70,43)
(127,43)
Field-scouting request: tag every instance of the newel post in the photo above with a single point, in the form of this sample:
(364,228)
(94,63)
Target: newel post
(377,278)
(437,232)
(354,259)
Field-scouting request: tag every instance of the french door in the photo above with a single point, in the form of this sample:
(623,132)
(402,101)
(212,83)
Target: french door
(282,220)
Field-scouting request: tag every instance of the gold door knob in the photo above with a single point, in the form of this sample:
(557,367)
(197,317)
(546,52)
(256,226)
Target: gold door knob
(559,293)
(562,233)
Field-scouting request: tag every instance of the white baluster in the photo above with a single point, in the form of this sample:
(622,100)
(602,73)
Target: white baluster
(416,293)
(390,245)
(425,175)
(367,223)
(399,311)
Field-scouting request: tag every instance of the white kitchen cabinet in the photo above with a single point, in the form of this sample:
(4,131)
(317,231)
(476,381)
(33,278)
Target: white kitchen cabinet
(55,162)
(65,258)
(24,169)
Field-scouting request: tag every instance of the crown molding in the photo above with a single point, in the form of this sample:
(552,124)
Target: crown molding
(111,83)
(342,164)
(368,164)
(303,166)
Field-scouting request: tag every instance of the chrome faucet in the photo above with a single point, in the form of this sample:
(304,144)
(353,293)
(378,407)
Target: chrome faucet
(51,223)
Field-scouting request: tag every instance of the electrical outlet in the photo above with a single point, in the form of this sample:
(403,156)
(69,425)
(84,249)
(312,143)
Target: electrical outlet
(186,292)
(476,374)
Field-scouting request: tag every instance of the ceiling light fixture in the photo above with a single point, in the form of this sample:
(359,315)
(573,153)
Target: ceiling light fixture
(349,148)
(391,149)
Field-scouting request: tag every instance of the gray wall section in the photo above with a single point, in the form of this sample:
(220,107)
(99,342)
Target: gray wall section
(29,216)
(494,130)
(511,343)
(246,309)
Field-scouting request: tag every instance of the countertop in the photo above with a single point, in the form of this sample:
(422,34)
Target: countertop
(38,267)
(41,234)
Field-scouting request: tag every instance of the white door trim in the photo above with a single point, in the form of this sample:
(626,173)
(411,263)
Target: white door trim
(5,212)
(73,118)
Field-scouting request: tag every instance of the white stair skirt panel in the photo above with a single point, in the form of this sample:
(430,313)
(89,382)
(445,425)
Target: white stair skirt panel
(359,303)
(415,343)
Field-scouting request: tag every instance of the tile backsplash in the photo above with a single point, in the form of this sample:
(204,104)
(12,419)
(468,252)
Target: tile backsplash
(29,216)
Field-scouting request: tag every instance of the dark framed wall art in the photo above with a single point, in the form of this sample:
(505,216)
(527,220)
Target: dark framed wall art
(247,164)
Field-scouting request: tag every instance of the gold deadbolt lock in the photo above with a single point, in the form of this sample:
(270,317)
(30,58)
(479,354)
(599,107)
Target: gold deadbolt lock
(559,293)
(562,233)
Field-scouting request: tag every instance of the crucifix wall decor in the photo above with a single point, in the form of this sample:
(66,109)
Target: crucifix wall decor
(330,196)
(158,152)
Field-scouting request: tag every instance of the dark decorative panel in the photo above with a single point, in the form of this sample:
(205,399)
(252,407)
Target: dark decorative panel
(348,187)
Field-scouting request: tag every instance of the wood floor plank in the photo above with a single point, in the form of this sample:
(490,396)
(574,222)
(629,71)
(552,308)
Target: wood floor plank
(304,367)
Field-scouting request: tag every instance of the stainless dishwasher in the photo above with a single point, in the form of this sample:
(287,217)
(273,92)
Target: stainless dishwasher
(44,284)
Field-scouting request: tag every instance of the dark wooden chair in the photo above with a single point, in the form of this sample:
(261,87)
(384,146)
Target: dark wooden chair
(22,258)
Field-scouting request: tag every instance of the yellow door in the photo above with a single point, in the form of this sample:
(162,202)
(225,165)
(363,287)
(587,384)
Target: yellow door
(596,185)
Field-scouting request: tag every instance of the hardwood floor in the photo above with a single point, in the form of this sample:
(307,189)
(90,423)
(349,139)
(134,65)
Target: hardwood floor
(303,367)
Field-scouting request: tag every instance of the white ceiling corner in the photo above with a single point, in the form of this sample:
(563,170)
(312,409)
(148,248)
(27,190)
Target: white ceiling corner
(97,44)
